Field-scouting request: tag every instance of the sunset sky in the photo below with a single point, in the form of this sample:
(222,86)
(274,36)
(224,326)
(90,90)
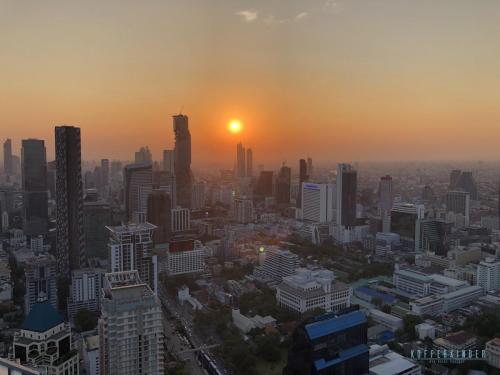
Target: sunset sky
(336,80)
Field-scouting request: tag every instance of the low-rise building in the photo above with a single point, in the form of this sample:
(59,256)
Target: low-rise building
(185,256)
(384,361)
(309,290)
(457,341)
(277,264)
(387,320)
(493,352)
(91,355)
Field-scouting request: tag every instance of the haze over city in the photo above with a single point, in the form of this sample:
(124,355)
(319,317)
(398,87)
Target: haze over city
(339,80)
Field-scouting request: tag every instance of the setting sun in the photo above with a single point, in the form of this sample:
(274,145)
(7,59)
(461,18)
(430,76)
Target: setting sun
(235,126)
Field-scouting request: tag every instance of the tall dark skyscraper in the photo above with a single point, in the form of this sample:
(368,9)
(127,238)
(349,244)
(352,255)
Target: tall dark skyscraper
(346,195)
(159,213)
(283,182)
(70,238)
(182,161)
(265,184)
(240,160)
(303,177)
(34,178)
(138,184)
(7,157)
(249,162)
(105,172)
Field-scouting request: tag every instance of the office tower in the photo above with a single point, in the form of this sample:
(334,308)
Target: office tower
(310,167)
(458,202)
(89,180)
(346,195)
(303,177)
(434,235)
(70,239)
(468,184)
(265,184)
(130,327)
(182,161)
(96,215)
(406,221)
(98,180)
(283,184)
(105,173)
(243,210)
(138,184)
(165,181)
(488,274)
(198,197)
(185,256)
(51,178)
(240,160)
(168,161)
(91,355)
(330,344)
(181,220)
(455,178)
(16,165)
(143,156)
(278,263)
(130,248)
(249,162)
(308,290)
(116,169)
(41,281)
(34,178)
(385,194)
(85,291)
(44,342)
(7,158)
(317,202)
(159,214)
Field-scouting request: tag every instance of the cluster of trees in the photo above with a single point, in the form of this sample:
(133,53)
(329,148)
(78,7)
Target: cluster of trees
(370,270)
(242,357)
(237,273)
(85,320)
(486,325)
(263,302)
(218,319)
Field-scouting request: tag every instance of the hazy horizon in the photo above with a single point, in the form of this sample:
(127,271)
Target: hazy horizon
(334,80)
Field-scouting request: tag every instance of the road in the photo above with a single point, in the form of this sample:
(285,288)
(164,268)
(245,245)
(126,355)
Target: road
(177,342)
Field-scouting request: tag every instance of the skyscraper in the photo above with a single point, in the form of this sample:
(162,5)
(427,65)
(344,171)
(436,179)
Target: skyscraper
(70,238)
(240,160)
(138,185)
(458,202)
(159,214)
(385,194)
(283,184)
(41,281)
(34,177)
(182,160)
(130,327)
(249,162)
(7,157)
(265,184)
(310,167)
(168,161)
(130,248)
(346,195)
(143,156)
(105,173)
(302,178)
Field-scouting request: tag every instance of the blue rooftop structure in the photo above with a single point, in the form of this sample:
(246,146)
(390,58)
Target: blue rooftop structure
(42,317)
(387,298)
(344,355)
(327,327)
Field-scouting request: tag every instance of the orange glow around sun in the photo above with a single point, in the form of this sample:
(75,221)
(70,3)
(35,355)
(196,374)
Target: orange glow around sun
(235,126)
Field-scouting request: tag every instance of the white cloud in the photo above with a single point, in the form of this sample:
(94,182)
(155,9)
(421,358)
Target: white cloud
(301,15)
(247,15)
(332,6)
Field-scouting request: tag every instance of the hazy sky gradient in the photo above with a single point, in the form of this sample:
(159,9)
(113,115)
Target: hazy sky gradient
(336,80)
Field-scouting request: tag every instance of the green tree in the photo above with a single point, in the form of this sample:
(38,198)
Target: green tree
(85,320)
(268,347)
(409,323)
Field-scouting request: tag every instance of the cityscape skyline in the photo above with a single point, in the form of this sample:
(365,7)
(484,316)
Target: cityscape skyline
(345,79)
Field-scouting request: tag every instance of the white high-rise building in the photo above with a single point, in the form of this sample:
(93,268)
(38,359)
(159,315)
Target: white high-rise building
(185,256)
(278,264)
(85,291)
(317,202)
(130,327)
(130,248)
(488,275)
(243,210)
(181,219)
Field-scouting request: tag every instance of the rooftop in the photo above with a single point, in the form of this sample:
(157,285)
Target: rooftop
(42,317)
(335,324)
(131,227)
